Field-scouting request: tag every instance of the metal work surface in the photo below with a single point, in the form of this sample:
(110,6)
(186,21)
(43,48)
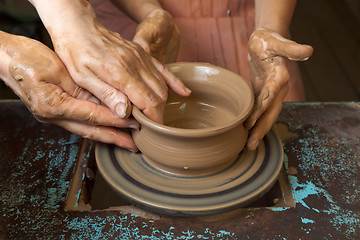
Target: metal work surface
(322,162)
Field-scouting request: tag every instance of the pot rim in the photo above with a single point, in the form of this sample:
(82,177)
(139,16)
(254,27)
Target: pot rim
(202,132)
(183,132)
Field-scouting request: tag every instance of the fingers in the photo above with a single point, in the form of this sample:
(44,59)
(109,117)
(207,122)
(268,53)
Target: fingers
(162,74)
(172,81)
(276,79)
(290,49)
(152,77)
(156,26)
(141,78)
(66,107)
(264,124)
(74,90)
(142,94)
(155,111)
(103,134)
(267,44)
(159,36)
(152,103)
(109,95)
(133,75)
(269,75)
(80,105)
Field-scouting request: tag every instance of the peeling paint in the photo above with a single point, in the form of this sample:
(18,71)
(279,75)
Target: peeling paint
(66,163)
(302,191)
(306,220)
(125,227)
(328,167)
(339,217)
(278,209)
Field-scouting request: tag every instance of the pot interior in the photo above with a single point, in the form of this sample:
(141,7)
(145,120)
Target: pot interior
(200,110)
(218,98)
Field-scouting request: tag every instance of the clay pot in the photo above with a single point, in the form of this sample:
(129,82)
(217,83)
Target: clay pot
(203,132)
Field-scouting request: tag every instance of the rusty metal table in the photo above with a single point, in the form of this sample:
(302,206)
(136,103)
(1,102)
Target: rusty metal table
(322,164)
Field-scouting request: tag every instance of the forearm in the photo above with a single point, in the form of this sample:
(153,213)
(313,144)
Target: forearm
(274,15)
(58,15)
(6,50)
(137,10)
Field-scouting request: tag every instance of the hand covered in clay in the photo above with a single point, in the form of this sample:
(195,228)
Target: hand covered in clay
(40,79)
(111,68)
(268,53)
(159,36)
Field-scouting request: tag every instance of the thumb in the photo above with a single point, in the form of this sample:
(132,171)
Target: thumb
(290,49)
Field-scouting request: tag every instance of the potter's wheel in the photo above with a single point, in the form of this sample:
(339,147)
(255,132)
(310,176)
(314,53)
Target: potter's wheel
(247,179)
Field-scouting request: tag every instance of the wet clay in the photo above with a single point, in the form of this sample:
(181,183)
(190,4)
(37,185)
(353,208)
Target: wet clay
(193,113)
(204,132)
(159,36)
(248,178)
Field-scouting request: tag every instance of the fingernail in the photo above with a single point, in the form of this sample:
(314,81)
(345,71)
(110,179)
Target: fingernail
(253,144)
(304,59)
(121,109)
(94,100)
(250,122)
(133,150)
(265,94)
(134,126)
(187,90)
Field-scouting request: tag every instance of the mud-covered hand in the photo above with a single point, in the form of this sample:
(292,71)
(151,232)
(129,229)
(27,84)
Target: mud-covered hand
(40,79)
(159,36)
(111,68)
(268,53)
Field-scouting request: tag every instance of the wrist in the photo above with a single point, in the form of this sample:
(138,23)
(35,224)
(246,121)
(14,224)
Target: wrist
(273,27)
(274,15)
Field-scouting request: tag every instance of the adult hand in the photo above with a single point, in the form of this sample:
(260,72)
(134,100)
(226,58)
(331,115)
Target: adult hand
(41,80)
(159,36)
(111,68)
(268,53)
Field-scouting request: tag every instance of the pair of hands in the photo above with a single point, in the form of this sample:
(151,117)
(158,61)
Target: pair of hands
(88,86)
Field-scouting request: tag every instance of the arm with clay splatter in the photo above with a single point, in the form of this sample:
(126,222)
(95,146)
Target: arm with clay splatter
(39,78)
(156,33)
(118,72)
(269,52)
